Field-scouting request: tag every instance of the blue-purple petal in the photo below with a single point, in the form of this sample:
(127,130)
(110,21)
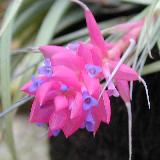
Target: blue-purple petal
(90,122)
(64,88)
(93,70)
(89,127)
(56,132)
(45,71)
(94,102)
(40,124)
(32,88)
(88,101)
(73,46)
(86,106)
(47,62)
(35,84)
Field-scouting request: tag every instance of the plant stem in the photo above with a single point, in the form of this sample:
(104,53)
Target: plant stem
(128,106)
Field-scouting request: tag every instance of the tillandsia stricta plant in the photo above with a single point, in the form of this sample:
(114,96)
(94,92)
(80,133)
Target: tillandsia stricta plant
(68,93)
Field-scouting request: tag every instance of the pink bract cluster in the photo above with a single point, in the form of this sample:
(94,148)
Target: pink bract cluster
(67,90)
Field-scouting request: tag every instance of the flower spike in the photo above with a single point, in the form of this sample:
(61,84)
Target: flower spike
(93,28)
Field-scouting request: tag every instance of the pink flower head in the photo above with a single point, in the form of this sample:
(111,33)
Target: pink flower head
(67,91)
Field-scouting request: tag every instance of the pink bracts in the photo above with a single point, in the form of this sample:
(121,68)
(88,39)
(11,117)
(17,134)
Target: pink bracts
(67,89)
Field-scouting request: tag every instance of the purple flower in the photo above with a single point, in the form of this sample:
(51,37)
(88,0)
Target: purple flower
(73,46)
(88,101)
(56,132)
(93,70)
(64,88)
(40,124)
(46,69)
(90,122)
(35,84)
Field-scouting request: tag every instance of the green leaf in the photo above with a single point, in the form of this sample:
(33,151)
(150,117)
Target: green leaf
(16,105)
(5,44)
(152,41)
(12,10)
(159,45)
(50,22)
(70,19)
(145,2)
(30,16)
(146,31)
(151,68)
